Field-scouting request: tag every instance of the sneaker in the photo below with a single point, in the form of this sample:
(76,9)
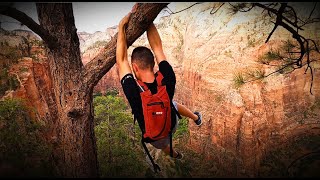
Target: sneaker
(199,121)
(179,156)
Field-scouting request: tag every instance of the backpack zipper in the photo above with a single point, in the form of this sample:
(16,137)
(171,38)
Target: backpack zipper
(155,103)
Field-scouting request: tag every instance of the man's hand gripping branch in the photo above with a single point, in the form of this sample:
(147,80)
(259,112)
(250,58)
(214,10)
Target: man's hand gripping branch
(121,50)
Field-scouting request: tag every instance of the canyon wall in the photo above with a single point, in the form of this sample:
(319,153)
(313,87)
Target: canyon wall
(90,45)
(23,59)
(207,51)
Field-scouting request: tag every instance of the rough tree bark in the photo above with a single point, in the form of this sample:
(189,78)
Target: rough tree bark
(70,109)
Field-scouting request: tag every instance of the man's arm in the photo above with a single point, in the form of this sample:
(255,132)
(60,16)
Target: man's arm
(121,52)
(155,43)
(164,67)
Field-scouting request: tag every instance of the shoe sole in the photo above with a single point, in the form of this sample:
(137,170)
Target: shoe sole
(201,120)
(178,158)
(199,124)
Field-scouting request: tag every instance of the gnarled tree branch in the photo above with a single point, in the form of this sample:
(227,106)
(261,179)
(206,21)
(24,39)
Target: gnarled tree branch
(216,9)
(137,25)
(274,11)
(30,23)
(171,12)
(278,21)
(304,44)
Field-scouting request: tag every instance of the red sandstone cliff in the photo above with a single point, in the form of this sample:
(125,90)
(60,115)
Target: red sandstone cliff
(206,52)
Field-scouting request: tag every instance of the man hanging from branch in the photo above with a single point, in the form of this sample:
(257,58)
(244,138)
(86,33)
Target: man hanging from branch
(150,95)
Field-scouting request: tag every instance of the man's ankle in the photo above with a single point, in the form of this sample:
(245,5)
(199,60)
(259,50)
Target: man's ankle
(178,156)
(199,120)
(195,117)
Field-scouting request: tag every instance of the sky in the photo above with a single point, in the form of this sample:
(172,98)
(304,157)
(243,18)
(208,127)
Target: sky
(89,16)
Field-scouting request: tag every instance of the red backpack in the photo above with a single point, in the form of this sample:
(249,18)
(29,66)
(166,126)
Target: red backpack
(156,110)
(157,115)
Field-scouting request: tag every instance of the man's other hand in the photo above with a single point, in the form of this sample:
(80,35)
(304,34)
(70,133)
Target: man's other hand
(124,20)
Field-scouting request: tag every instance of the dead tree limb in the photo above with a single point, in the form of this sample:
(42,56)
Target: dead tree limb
(30,23)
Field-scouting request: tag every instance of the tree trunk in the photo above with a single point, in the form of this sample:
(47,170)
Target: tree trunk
(69,95)
(75,152)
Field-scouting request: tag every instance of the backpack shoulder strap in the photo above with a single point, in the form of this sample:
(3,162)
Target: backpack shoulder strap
(155,166)
(142,86)
(175,110)
(159,78)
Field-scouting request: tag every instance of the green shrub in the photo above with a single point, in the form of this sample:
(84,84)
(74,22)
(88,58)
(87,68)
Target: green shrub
(7,82)
(96,94)
(241,78)
(183,128)
(112,92)
(288,46)
(97,44)
(251,43)
(13,54)
(22,146)
(269,56)
(284,70)
(35,58)
(255,74)
(37,42)
(23,69)
(238,80)
(118,148)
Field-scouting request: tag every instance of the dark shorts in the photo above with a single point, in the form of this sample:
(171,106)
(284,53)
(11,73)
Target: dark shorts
(162,143)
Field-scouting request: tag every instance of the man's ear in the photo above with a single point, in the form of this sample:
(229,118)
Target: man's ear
(135,67)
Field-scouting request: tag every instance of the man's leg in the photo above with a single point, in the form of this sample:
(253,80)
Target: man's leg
(184,111)
(176,154)
(164,145)
(167,151)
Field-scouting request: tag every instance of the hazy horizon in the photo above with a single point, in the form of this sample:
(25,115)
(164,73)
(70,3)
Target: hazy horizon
(89,17)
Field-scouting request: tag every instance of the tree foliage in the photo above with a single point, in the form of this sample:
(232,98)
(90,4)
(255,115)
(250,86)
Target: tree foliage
(119,150)
(23,151)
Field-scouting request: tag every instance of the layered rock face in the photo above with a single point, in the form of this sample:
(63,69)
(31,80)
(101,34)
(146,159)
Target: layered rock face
(90,45)
(207,50)
(30,69)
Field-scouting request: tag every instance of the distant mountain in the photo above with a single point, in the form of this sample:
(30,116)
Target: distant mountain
(15,37)
(88,40)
